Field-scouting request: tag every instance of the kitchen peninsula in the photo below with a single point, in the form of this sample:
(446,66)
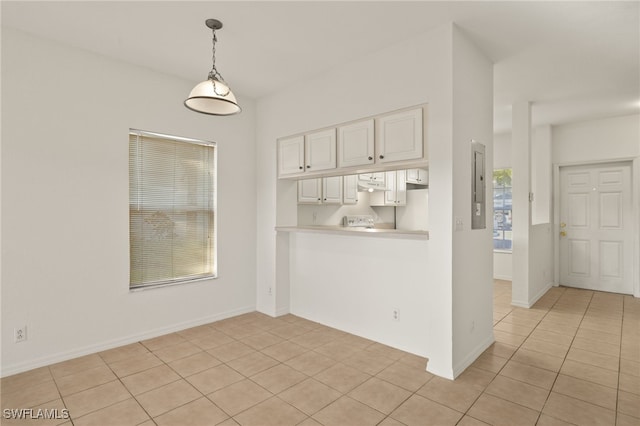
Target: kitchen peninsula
(356,280)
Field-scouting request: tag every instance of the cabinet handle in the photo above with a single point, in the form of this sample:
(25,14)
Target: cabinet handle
(370,158)
(308,167)
(300,167)
(319,199)
(381,157)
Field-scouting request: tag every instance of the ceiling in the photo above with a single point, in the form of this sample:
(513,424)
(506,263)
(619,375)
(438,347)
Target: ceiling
(573,60)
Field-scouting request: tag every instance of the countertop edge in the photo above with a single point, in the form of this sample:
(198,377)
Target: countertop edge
(384,233)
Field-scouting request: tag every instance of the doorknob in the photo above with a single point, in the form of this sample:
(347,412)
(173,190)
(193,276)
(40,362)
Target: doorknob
(562,225)
(563,234)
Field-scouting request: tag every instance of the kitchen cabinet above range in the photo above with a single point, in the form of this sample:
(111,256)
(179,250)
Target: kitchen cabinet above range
(380,143)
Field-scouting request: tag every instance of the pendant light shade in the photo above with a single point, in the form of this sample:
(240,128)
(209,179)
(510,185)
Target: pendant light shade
(213,96)
(206,98)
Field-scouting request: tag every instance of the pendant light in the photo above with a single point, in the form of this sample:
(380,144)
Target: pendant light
(213,96)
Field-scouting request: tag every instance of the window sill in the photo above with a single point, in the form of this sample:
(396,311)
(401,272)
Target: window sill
(171,284)
(503,251)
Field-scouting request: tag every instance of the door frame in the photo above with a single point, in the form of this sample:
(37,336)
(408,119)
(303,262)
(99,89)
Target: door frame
(635,224)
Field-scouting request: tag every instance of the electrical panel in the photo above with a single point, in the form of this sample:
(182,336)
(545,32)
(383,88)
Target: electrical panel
(478,185)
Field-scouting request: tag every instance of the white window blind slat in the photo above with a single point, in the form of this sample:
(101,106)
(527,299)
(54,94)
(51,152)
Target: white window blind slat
(171,209)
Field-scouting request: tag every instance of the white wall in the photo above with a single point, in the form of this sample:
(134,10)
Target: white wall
(355,282)
(607,139)
(597,140)
(541,185)
(502,151)
(422,70)
(66,117)
(343,95)
(472,249)
(503,265)
(502,260)
(541,175)
(418,66)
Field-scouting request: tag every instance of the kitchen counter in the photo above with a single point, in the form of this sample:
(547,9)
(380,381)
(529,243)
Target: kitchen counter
(353,231)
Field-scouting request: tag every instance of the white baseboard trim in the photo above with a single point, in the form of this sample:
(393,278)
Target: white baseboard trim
(282,311)
(502,277)
(541,293)
(529,303)
(473,355)
(520,304)
(8,370)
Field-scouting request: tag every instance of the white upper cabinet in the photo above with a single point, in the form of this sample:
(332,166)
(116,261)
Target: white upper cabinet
(383,142)
(396,193)
(320,150)
(399,136)
(310,191)
(418,176)
(350,189)
(356,144)
(375,177)
(291,156)
(332,190)
(320,191)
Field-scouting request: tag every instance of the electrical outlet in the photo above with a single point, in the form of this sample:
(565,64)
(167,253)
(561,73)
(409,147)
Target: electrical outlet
(396,314)
(473,327)
(20,334)
(270,291)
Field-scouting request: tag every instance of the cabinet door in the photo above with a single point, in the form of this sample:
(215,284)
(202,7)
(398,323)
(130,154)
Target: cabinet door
(291,156)
(396,193)
(310,191)
(332,190)
(399,136)
(355,144)
(320,150)
(401,188)
(390,193)
(350,189)
(374,177)
(418,176)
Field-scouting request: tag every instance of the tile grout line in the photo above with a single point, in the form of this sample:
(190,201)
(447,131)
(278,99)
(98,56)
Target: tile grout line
(565,357)
(511,356)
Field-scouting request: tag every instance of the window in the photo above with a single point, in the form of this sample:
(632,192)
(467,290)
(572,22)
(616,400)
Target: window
(502,215)
(172,209)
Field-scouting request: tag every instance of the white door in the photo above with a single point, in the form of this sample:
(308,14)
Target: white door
(596,230)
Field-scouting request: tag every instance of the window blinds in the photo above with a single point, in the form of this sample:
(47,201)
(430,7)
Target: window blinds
(172,209)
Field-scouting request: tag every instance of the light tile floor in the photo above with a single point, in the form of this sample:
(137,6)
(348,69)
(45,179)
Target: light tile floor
(574,358)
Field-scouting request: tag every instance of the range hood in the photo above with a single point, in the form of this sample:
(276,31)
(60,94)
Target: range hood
(370,186)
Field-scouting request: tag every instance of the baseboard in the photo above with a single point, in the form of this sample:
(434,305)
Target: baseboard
(473,355)
(541,293)
(282,311)
(520,304)
(99,347)
(502,277)
(527,304)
